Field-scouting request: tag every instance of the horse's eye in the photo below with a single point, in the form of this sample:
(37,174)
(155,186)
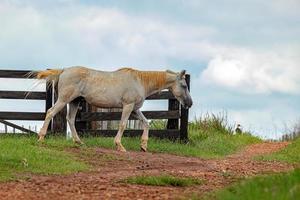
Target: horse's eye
(184,86)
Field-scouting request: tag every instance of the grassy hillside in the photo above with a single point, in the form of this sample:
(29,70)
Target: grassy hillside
(209,137)
(290,154)
(276,187)
(19,155)
(214,146)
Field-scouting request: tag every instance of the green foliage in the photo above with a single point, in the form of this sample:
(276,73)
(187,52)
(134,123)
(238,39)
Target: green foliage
(19,154)
(214,146)
(158,124)
(276,187)
(209,137)
(210,124)
(163,180)
(292,133)
(290,154)
(218,144)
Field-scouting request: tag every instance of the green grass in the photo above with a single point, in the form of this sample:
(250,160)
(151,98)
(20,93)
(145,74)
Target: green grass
(290,154)
(162,180)
(23,155)
(215,145)
(209,137)
(276,187)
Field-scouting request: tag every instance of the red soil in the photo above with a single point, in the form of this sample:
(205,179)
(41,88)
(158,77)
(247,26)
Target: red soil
(110,166)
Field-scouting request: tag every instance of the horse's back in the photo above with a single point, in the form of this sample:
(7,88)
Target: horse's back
(101,88)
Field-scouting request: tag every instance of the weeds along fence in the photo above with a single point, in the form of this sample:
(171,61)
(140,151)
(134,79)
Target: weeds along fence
(96,121)
(290,136)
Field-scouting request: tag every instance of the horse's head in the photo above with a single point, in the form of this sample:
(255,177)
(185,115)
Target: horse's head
(180,90)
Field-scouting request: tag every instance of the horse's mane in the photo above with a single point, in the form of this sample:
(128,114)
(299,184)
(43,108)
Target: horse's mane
(158,79)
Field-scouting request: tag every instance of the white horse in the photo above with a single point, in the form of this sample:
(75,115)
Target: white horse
(125,88)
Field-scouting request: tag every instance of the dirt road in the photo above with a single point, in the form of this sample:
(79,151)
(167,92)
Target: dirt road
(110,166)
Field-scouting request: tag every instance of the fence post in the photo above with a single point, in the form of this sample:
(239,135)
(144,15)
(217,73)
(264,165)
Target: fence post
(81,125)
(93,124)
(173,105)
(184,116)
(49,102)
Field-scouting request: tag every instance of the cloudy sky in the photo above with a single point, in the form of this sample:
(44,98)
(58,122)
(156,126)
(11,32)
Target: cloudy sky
(243,56)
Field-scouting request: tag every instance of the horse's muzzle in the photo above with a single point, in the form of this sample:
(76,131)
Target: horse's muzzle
(188,104)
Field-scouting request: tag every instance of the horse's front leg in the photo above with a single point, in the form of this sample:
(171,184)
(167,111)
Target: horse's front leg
(127,109)
(144,140)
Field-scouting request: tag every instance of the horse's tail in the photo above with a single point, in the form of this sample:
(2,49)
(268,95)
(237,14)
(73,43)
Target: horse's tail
(51,76)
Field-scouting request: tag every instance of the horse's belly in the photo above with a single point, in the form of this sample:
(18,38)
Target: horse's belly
(109,94)
(103,102)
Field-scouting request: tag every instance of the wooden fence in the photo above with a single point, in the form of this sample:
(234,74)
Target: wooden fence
(57,125)
(176,115)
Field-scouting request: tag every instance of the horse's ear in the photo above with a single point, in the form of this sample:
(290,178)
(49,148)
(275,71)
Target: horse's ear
(182,74)
(171,72)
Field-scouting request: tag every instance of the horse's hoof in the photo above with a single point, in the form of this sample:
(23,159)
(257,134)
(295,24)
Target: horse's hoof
(143,149)
(121,149)
(41,139)
(79,142)
(144,145)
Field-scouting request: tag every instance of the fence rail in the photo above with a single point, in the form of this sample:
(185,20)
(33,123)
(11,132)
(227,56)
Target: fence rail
(15,74)
(104,116)
(26,95)
(22,95)
(161,95)
(22,116)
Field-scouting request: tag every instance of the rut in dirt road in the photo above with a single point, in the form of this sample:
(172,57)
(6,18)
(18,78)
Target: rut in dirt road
(103,181)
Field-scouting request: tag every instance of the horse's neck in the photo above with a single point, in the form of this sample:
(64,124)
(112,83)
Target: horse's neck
(155,88)
(152,81)
(153,91)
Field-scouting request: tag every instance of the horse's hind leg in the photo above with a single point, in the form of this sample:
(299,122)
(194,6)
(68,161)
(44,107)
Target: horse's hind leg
(50,114)
(144,140)
(73,108)
(127,109)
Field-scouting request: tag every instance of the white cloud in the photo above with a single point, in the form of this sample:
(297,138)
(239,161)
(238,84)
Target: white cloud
(95,36)
(286,7)
(35,37)
(253,71)
(266,123)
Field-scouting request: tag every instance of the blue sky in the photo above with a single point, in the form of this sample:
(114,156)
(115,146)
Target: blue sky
(243,55)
